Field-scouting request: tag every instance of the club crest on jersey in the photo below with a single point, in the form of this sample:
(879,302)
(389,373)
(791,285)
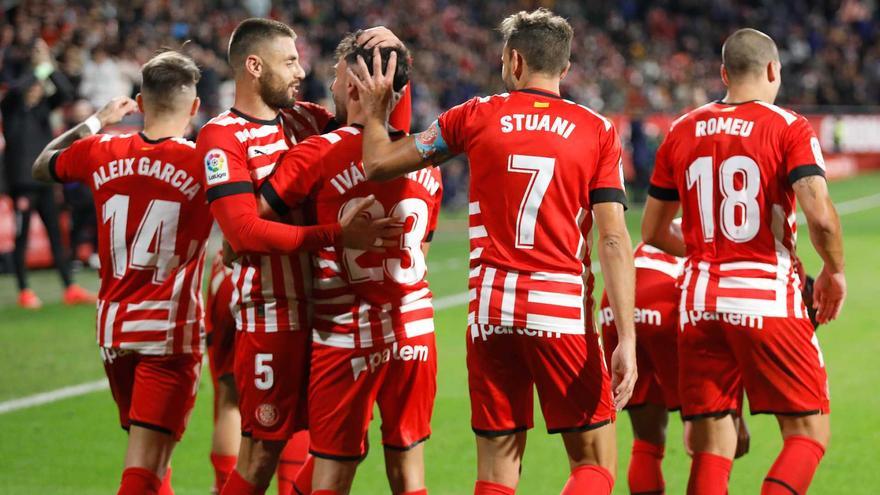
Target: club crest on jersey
(817,152)
(216,166)
(267,415)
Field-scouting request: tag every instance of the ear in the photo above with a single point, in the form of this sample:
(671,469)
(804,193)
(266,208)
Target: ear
(253,65)
(565,70)
(352,90)
(771,71)
(140,102)
(517,63)
(724,77)
(195,106)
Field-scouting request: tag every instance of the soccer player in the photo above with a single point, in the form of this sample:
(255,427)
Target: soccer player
(154,222)
(542,170)
(656,389)
(735,167)
(373,339)
(240,148)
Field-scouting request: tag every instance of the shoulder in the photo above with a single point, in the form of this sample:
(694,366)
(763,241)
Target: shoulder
(783,115)
(686,120)
(590,115)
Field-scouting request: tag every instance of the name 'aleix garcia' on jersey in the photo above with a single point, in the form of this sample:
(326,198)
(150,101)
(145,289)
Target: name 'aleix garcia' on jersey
(144,166)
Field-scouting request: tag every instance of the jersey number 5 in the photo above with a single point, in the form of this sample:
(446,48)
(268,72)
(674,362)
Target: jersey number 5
(154,242)
(740,213)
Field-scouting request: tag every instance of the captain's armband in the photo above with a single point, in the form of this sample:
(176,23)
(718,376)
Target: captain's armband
(431,145)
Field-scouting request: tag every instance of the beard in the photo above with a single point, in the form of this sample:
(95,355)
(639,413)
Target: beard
(275,92)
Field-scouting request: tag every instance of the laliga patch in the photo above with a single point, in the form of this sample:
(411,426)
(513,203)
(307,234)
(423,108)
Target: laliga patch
(267,415)
(216,166)
(817,152)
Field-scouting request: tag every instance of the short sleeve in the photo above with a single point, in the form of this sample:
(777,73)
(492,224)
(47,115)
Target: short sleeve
(296,176)
(663,186)
(453,123)
(224,159)
(606,184)
(803,155)
(74,164)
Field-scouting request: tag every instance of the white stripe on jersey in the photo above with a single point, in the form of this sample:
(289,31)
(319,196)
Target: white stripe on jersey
(477,232)
(247,288)
(702,285)
(419,327)
(665,267)
(508,299)
(267,149)
(564,278)
(333,339)
(260,173)
(476,253)
(270,307)
(110,321)
(474,207)
(555,299)
(486,293)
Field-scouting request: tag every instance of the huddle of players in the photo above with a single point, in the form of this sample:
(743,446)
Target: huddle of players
(285,178)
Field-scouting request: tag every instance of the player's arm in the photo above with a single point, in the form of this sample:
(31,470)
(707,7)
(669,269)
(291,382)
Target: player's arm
(383,158)
(657,228)
(829,290)
(616,259)
(110,114)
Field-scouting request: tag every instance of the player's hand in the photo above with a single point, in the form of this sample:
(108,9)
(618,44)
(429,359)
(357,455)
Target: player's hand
(229,255)
(379,36)
(375,91)
(623,373)
(360,231)
(114,111)
(829,291)
(742,437)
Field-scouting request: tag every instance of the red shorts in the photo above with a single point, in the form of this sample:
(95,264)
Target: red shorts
(271,375)
(220,325)
(568,371)
(777,360)
(154,392)
(656,343)
(345,383)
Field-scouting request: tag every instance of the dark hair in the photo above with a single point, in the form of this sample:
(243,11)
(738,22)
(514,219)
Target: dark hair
(165,77)
(250,33)
(542,37)
(747,51)
(348,50)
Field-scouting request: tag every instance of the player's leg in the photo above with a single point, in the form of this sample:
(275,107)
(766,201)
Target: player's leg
(293,459)
(406,403)
(645,474)
(575,393)
(709,385)
(21,204)
(161,401)
(226,436)
(784,374)
(343,385)
(501,396)
(270,374)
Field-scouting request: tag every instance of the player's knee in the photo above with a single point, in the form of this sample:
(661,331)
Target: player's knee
(262,460)
(816,427)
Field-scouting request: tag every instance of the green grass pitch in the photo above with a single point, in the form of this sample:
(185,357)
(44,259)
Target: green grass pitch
(74,446)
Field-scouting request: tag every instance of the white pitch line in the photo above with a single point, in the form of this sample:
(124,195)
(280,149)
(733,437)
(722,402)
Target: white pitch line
(52,396)
(852,206)
(441,303)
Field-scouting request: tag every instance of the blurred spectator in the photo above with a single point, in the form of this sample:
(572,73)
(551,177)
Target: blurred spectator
(629,56)
(33,94)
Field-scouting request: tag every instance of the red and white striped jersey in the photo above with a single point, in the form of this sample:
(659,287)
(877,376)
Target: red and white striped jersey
(732,167)
(538,163)
(361,299)
(239,152)
(647,257)
(153,222)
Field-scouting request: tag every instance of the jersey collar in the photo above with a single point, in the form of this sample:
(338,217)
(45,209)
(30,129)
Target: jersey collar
(247,117)
(152,141)
(540,92)
(734,104)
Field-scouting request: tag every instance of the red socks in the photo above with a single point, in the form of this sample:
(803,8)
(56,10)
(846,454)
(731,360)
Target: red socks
(489,488)
(139,481)
(236,485)
(291,462)
(166,489)
(589,478)
(423,491)
(303,483)
(709,474)
(223,467)
(645,473)
(794,468)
